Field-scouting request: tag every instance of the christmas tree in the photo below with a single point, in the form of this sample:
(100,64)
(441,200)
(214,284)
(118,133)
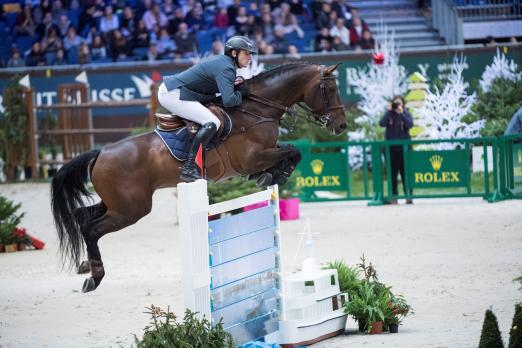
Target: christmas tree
(490,336)
(515,333)
(500,68)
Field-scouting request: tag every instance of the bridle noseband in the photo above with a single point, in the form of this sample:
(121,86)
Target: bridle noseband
(319,117)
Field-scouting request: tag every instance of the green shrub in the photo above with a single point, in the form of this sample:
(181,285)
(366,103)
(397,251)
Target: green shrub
(349,278)
(230,189)
(497,106)
(490,336)
(9,219)
(165,331)
(515,333)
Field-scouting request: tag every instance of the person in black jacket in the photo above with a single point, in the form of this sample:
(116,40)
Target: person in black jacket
(183,94)
(397,122)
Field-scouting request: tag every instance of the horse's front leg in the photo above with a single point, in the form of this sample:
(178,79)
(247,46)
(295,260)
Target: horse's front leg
(275,165)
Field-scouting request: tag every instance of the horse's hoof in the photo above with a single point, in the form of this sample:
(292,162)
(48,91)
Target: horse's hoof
(264,179)
(84,267)
(88,285)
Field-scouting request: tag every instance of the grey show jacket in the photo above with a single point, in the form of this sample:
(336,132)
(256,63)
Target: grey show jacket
(202,81)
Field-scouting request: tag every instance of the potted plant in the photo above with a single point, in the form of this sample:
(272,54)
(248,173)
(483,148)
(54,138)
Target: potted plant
(368,306)
(9,219)
(397,310)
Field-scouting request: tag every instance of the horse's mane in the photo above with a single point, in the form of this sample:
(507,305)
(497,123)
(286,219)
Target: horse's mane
(278,70)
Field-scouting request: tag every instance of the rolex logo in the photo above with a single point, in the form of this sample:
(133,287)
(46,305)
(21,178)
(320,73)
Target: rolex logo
(436,162)
(317,166)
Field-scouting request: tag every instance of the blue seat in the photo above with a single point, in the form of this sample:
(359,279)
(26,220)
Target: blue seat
(25,42)
(10,19)
(140,52)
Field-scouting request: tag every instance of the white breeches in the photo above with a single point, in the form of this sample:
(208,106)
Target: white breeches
(190,110)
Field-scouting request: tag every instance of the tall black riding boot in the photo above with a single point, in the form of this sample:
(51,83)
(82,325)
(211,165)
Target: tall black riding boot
(190,170)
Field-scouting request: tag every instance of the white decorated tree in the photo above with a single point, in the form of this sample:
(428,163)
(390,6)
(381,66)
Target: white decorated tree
(501,67)
(375,84)
(441,116)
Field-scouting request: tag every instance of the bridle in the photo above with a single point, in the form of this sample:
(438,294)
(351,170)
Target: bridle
(319,117)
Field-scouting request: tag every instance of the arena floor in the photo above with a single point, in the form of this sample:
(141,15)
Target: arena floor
(452,259)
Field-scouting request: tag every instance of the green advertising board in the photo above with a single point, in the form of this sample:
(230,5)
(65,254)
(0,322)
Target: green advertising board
(323,172)
(436,169)
(517,164)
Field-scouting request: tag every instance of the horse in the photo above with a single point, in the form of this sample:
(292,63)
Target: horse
(125,174)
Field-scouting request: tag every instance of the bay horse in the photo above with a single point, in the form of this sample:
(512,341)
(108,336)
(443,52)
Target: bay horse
(126,174)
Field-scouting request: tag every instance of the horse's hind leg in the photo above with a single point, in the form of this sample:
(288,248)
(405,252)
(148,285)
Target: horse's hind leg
(109,222)
(89,215)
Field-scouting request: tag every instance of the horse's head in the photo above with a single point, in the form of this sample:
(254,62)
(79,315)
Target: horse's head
(322,96)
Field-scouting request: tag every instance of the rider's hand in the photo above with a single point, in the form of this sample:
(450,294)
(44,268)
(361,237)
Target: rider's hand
(239,80)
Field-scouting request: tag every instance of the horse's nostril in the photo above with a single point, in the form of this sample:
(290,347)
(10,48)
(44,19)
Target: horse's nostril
(343,126)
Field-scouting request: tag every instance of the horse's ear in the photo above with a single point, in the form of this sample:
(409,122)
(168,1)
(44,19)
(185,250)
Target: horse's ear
(331,69)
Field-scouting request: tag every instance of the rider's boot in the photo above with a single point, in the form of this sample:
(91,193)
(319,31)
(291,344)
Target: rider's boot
(190,170)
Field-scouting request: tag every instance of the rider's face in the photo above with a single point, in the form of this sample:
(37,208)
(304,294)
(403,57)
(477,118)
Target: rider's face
(244,58)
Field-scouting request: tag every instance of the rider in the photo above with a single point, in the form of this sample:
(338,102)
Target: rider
(183,94)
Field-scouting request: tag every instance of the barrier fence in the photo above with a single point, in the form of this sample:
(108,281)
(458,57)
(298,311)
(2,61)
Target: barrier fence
(488,167)
(74,131)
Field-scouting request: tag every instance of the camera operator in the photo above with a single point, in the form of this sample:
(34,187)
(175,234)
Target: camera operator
(397,122)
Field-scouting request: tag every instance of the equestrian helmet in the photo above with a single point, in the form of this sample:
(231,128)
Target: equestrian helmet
(239,43)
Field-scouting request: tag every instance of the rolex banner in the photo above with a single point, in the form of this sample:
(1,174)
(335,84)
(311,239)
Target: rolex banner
(323,172)
(435,169)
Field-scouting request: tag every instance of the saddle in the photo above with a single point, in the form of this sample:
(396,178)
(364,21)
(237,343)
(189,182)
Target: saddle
(171,122)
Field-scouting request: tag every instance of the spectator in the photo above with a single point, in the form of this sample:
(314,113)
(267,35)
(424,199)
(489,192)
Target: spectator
(185,41)
(241,22)
(338,45)
(221,19)
(367,41)
(217,48)
(46,24)
(343,9)
(72,40)
(35,57)
(340,30)
(63,25)
(84,56)
(39,12)
(177,19)
(354,14)
(397,122)
(296,7)
(279,42)
(120,48)
(152,54)
(15,61)
(50,45)
(58,11)
(323,17)
(288,20)
(59,59)
(232,11)
(25,25)
(356,30)
(109,21)
(165,45)
(154,17)
(253,10)
(98,50)
(490,41)
(324,35)
(91,34)
(88,19)
(168,9)
(293,53)
(141,35)
(267,27)
(194,18)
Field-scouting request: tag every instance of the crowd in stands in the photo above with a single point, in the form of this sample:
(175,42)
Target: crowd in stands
(59,32)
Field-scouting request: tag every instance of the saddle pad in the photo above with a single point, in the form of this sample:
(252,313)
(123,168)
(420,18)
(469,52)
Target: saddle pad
(178,141)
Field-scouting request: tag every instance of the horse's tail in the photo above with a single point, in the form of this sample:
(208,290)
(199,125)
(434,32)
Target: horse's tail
(67,188)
